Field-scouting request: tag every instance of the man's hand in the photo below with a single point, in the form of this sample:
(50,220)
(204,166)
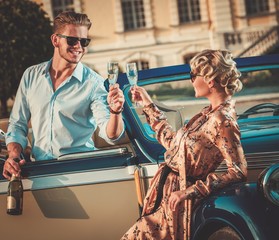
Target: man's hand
(115,98)
(11,166)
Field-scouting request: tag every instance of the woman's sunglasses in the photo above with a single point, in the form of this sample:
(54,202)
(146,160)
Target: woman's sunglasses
(72,41)
(193,76)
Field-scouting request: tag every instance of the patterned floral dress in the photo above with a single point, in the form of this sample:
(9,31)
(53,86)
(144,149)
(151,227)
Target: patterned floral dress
(193,154)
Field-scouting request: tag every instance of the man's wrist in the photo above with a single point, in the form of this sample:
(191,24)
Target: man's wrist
(14,150)
(13,156)
(116,112)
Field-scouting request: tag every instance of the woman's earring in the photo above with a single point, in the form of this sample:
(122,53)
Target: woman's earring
(211,86)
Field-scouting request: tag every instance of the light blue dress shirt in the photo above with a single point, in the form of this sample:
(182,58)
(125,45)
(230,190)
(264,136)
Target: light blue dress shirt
(62,121)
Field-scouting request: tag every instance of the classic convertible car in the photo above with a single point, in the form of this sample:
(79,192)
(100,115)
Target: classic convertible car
(98,195)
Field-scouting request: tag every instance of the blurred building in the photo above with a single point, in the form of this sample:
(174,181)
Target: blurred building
(157,33)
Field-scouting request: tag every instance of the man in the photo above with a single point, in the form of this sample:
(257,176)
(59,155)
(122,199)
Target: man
(64,100)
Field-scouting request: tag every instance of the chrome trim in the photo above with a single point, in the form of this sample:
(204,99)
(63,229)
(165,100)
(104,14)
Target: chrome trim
(254,160)
(266,183)
(72,179)
(257,160)
(98,153)
(149,169)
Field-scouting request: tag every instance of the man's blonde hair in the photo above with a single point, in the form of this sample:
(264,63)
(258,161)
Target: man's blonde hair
(69,17)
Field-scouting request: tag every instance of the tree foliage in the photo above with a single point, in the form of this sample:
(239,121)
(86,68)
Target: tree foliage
(24,41)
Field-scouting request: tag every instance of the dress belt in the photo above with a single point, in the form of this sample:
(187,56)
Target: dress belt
(165,172)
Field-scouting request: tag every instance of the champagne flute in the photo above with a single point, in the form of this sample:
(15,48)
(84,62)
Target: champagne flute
(112,69)
(132,75)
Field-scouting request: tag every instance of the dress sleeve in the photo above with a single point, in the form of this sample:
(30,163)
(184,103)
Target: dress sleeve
(159,124)
(229,145)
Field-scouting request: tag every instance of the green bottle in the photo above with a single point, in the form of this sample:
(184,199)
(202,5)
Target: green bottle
(15,196)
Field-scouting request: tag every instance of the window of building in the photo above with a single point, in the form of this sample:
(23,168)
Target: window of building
(256,6)
(187,58)
(142,65)
(59,6)
(133,14)
(188,11)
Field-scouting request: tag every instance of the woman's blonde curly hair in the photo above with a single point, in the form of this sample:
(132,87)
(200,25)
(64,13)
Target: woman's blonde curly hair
(218,65)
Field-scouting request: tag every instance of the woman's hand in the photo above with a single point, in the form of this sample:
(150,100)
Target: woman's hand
(176,198)
(140,96)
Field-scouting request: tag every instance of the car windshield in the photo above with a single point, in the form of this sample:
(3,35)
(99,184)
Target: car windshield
(259,97)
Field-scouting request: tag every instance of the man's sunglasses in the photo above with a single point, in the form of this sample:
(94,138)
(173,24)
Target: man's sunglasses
(72,41)
(193,76)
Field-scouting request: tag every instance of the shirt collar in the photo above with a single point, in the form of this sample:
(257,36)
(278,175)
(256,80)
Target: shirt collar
(78,72)
(46,70)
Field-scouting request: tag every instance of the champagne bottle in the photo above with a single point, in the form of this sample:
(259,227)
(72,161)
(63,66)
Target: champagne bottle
(15,195)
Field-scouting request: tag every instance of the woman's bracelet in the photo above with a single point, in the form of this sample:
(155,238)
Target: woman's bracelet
(114,112)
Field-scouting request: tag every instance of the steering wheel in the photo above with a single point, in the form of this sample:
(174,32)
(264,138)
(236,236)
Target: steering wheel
(265,107)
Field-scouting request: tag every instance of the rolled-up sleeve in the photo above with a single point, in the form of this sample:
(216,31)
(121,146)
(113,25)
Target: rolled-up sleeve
(101,113)
(20,116)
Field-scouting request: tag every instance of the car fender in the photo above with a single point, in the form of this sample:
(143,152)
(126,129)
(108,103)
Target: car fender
(239,206)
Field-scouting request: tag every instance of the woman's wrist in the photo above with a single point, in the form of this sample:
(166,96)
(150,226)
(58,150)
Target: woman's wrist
(148,104)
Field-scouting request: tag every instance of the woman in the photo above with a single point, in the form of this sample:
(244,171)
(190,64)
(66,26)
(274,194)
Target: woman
(193,152)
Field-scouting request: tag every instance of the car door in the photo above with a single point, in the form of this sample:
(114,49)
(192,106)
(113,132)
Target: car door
(79,196)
